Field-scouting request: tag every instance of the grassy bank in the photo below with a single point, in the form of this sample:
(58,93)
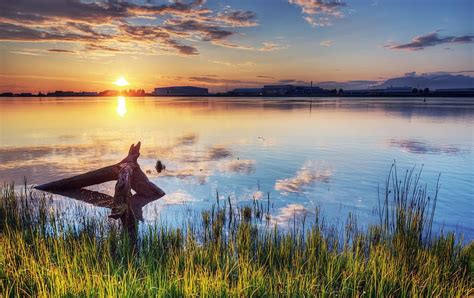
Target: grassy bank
(232,252)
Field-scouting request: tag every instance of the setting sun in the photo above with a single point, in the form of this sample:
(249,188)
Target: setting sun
(121,82)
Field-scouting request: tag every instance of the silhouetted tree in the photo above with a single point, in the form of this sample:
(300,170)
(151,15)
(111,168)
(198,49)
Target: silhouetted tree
(341,91)
(414,90)
(427,90)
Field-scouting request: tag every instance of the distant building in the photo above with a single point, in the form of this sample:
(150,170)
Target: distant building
(61,93)
(291,90)
(306,90)
(277,90)
(247,92)
(85,93)
(180,91)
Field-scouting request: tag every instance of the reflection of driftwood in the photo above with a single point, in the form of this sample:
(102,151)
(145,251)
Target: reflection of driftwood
(124,205)
(103,200)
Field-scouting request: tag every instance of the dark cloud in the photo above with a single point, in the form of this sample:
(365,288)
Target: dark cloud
(430,40)
(181,48)
(60,51)
(293,81)
(90,12)
(239,18)
(15,32)
(212,80)
(94,47)
(100,24)
(206,31)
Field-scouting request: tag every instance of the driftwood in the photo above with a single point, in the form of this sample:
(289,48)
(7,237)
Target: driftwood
(139,181)
(124,205)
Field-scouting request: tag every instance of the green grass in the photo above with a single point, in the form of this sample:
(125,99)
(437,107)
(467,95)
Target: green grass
(230,252)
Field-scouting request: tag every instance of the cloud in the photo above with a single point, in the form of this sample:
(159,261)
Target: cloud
(26,53)
(119,27)
(231,64)
(319,13)
(326,43)
(293,81)
(265,47)
(239,18)
(207,31)
(306,175)
(97,47)
(60,51)
(430,40)
(215,81)
(270,47)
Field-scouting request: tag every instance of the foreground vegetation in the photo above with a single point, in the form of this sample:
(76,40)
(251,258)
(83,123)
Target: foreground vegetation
(234,252)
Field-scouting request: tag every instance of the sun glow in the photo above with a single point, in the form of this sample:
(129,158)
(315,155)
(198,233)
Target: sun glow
(121,82)
(121,106)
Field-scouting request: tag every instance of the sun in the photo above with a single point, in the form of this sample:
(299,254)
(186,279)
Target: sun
(121,82)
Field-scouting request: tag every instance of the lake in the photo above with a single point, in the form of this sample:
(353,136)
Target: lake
(331,153)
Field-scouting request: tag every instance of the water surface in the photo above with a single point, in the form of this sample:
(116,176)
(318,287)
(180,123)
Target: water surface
(331,153)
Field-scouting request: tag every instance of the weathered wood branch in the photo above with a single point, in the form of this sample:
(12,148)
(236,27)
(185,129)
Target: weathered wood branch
(123,194)
(90,178)
(138,180)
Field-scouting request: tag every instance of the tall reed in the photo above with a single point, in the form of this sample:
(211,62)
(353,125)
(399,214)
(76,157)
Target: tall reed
(234,251)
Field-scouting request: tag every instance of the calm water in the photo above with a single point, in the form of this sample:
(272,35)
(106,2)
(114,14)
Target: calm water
(331,153)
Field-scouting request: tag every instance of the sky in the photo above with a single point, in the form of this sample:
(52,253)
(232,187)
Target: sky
(85,45)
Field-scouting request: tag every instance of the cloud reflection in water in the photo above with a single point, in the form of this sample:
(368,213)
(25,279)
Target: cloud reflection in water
(306,175)
(420,147)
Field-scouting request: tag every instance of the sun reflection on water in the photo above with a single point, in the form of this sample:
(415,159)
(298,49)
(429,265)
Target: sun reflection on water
(121,106)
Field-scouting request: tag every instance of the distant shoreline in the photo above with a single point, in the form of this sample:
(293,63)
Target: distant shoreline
(434,94)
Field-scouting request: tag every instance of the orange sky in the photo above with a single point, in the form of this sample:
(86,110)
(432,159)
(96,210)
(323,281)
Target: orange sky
(86,45)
